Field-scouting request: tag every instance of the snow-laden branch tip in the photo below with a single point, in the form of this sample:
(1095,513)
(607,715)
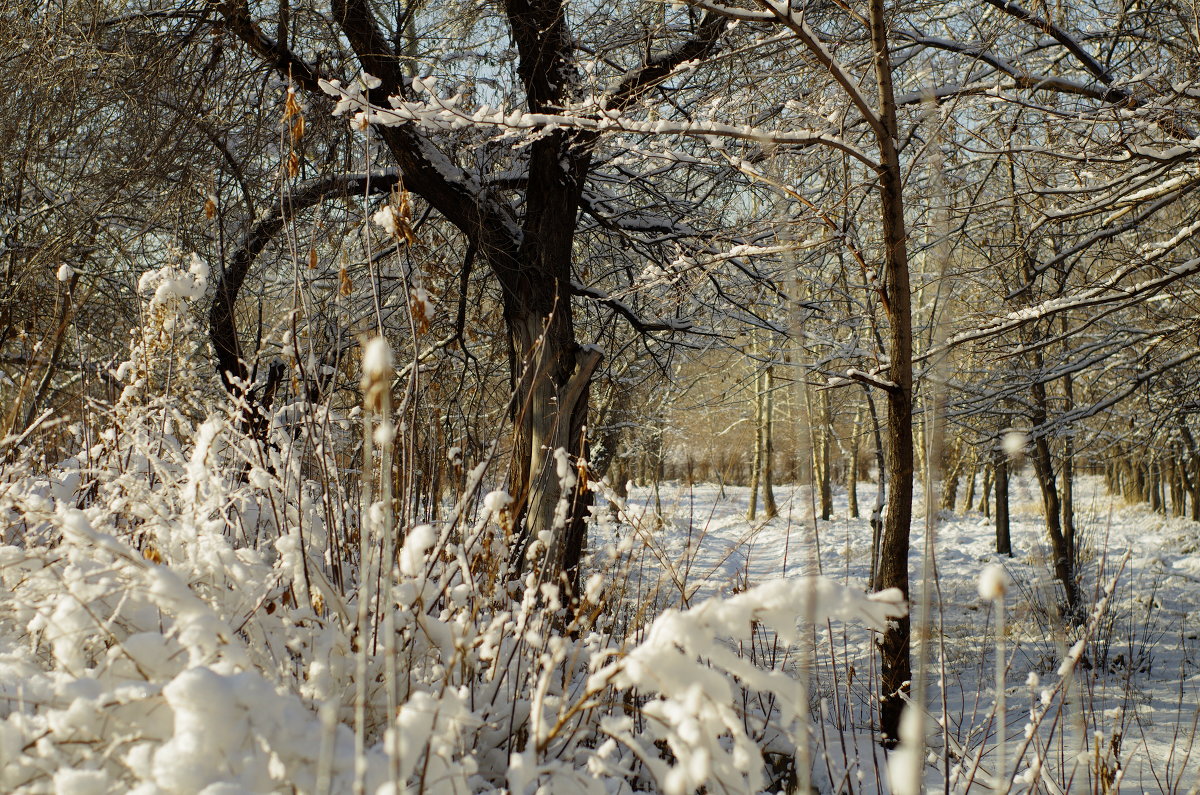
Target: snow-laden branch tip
(1080,413)
(1101,295)
(624,310)
(870,379)
(444,114)
(1021,77)
(793,20)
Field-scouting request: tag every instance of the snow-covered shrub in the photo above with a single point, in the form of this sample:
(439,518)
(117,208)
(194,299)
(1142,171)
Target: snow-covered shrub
(165,351)
(187,611)
(186,665)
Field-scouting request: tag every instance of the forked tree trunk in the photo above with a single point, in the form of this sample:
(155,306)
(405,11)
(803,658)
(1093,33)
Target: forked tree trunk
(551,387)
(529,251)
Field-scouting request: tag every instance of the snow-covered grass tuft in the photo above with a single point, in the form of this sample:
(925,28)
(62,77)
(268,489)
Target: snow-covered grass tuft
(993,582)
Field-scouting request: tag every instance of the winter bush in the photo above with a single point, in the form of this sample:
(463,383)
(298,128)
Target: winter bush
(189,611)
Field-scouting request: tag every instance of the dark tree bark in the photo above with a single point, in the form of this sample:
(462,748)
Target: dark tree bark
(1003,534)
(826,467)
(950,483)
(763,464)
(1043,467)
(756,462)
(895,294)
(895,647)
(972,471)
(770,508)
(989,474)
(880,487)
(1068,472)
(66,310)
(1178,492)
(1193,449)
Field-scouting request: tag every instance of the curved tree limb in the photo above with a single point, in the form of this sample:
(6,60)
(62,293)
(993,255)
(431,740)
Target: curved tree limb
(222,320)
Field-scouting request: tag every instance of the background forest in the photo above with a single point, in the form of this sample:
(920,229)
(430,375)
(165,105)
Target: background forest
(546,396)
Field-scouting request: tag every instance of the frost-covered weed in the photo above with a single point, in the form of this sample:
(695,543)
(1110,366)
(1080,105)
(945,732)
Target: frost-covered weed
(180,617)
(147,643)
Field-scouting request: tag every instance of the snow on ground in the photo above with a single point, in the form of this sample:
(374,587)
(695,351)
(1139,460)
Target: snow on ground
(172,667)
(1140,673)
